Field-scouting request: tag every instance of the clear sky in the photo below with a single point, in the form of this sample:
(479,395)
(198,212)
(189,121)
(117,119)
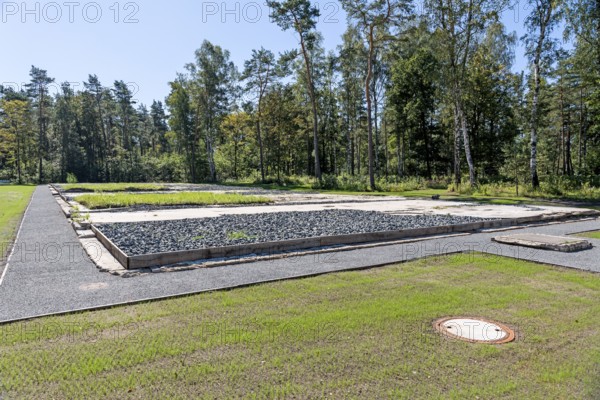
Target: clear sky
(145,43)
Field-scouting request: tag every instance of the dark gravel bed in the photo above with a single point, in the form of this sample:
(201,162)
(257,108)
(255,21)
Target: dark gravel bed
(187,234)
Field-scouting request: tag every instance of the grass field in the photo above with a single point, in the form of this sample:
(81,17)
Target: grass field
(119,200)
(112,187)
(590,235)
(355,335)
(13,202)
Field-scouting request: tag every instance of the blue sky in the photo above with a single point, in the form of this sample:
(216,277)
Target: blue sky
(146,43)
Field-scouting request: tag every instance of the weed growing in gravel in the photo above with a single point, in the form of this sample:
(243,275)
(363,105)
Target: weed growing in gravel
(77,216)
(238,235)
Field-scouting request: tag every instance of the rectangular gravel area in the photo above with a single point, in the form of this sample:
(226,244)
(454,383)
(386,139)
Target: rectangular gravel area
(231,230)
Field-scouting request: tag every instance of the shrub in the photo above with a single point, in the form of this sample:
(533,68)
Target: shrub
(71,178)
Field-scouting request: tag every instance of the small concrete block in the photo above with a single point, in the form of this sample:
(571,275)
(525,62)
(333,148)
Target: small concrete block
(100,255)
(545,242)
(86,234)
(64,206)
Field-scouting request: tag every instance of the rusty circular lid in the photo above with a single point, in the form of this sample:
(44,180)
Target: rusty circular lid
(474,330)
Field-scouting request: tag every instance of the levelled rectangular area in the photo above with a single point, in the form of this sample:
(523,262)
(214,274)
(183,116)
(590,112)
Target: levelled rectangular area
(157,243)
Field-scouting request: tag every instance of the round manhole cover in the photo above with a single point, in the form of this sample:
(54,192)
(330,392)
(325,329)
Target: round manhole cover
(475,330)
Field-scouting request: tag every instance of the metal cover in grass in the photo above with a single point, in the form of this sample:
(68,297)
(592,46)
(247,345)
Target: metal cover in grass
(474,330)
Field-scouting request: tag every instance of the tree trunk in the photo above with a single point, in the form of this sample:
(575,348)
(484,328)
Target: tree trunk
(18,160)
(427,145)
(467,145)
(260,146)
(535,182)
(41,134)
(210,155)
(369,117)
(385,138)
(349,155)
(376,127)
(457,169)
(313,101)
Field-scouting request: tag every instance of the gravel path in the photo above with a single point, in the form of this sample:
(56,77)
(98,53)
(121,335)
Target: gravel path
(49,272)
(187,234)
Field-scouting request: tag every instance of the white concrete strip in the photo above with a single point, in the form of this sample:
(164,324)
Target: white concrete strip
(407,206)
(276,199)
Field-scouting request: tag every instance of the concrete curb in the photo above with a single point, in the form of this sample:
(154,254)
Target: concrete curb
(177,257)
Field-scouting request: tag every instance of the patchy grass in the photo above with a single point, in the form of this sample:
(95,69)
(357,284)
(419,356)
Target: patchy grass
(239,235)
(119,200)
(112,187)
(13,201)
(365,334)
(590,235)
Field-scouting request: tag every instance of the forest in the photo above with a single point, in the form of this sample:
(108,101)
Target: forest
(428,94)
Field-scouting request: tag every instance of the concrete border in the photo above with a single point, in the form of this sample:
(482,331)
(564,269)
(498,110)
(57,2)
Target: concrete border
(112,248)
(176,257)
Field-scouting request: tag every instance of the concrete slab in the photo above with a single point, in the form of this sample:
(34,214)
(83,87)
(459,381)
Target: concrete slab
(397,206)
(86,234)
(546,242)
(101,257)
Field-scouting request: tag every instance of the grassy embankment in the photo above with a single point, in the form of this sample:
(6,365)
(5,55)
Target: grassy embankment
(119,200)
(13,202)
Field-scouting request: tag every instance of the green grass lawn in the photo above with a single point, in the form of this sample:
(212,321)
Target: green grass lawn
(118,200)
(13,202)
(356,335)
(112,187)
(590,235)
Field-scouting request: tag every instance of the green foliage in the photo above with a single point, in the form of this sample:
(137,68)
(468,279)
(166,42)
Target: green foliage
(553,188)
(71,178)
(349,183)
(209,129)
(342,183)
